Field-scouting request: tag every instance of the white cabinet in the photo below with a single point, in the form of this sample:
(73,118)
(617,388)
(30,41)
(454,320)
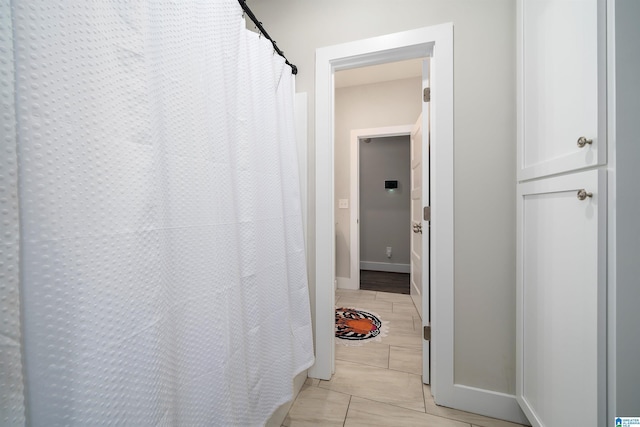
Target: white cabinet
(562,241)
(561,86)
(561,299)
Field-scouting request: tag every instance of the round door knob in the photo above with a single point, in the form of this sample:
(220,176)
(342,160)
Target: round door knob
(582,141)
(582,194)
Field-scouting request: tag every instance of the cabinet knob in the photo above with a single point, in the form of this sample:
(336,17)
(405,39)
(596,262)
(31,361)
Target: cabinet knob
(582,141)
(582,194)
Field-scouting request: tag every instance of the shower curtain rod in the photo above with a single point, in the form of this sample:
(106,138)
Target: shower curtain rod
(243,3)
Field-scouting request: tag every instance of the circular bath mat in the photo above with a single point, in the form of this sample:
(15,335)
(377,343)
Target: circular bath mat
(355,326)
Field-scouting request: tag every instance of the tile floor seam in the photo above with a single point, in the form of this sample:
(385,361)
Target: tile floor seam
(448,418)
(424,399)
(404,346)
(386,403)
(346,414)
(405,372)
(367,364)
(388,357)
(427,413)
(396,406)
(341,392)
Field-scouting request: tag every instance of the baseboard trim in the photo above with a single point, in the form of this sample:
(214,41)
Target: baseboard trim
(484,402)
(385,266)
(347,283)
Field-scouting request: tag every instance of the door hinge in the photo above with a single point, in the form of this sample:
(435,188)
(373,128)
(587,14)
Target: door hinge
(426,94)
(427,213)
(427,333)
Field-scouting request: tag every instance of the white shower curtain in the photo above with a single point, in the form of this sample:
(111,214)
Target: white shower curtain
(152,265)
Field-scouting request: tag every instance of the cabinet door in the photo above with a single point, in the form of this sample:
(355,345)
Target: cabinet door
(561,86)
(561,300)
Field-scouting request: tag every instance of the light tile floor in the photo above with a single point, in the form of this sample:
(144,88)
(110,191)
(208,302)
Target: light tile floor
(379,383)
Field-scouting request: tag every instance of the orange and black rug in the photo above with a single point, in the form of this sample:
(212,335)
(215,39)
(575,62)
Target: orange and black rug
(355,326)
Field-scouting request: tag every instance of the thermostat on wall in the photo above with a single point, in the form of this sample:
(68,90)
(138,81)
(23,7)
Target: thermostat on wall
(390,184)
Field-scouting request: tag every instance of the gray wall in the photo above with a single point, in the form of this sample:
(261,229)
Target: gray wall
(391,103)
(385,215)
(484,152)
(627,199)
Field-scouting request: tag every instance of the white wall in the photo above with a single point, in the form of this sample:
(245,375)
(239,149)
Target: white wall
(484,114)
(627,201)
(385,215)
(392,103)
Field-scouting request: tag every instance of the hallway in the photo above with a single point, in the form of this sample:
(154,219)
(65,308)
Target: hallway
(379,383)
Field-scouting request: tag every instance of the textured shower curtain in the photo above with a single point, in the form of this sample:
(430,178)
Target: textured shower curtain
(152,265)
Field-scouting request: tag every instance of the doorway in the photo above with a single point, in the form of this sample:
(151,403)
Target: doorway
(383,213)
(435,42)
(357,135)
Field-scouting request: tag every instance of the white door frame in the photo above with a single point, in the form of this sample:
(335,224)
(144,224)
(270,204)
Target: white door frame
(435,42)
(354,230)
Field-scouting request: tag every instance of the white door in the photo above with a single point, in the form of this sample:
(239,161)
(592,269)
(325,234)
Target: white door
(561,300)
(420,237)
(416,215)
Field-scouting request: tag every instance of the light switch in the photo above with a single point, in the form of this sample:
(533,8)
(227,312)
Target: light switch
(343,203)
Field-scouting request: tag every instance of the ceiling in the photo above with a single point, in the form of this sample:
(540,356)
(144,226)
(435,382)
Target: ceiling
(379,73)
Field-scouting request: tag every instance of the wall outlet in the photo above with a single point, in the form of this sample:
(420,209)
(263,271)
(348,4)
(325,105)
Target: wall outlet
(343,204)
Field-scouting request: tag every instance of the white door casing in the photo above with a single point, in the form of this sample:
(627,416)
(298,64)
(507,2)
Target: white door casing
(394,47)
